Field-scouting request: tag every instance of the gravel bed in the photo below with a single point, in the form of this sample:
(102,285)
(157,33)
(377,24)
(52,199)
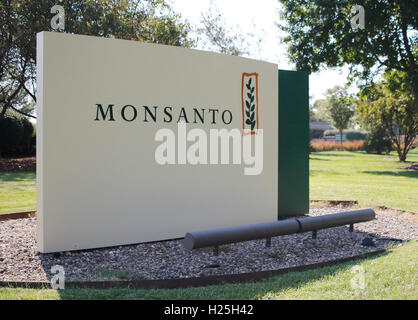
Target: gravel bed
(19,260)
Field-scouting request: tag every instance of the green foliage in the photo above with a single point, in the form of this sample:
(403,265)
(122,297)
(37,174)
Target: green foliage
(351,135)
(20,20)
(250,111)
(378,141)
(390,104)
(27,136)
(319,110)
(355,135)
(15,136)
(151,21)
(11,134)
(339,108)
(217,35)
(320,34)
(335,108)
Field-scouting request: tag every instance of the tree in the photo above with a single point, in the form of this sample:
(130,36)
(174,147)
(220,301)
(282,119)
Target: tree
(320,110)
(223,39)
(217,34)
(320,33)
(390,105)
(20,20)
(339,109)
(378,140)
(15,135)
(13,68)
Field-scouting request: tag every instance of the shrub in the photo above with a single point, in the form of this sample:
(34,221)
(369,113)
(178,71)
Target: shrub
(378,141)
(356,135)
(15,136)
(311,148)
(26,142)
(33,142)
(319,145)
(11,133)
(351,135)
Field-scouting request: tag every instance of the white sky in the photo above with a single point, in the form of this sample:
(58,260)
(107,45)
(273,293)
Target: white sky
(260,18)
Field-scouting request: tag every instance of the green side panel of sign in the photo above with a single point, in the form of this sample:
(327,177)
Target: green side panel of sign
(293,187)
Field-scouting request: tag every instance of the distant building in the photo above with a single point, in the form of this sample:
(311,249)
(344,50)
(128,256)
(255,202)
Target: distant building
(318,128)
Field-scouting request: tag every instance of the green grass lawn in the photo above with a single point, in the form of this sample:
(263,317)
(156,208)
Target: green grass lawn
(391,275)
(17,192)
(367,178)
(370,179)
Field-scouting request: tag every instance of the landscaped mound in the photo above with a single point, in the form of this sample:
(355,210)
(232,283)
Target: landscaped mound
(169,260)
(17,164)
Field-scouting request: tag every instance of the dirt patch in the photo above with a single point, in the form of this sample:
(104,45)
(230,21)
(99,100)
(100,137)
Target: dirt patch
(18,164)
(17,215)
(412,216)
(411,167)
(353,205)
(332,203)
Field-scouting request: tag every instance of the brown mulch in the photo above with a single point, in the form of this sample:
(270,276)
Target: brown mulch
(20,260)
(332,203)
(18,164)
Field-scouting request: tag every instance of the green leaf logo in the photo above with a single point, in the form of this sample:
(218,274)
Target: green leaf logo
(250,105)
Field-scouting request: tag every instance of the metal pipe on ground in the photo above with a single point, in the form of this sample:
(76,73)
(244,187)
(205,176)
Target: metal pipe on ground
(216,237)
(335,220)
(210,238)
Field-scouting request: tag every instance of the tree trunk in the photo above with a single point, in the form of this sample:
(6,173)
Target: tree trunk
(416,98)
(403,148)
(3,111)
(7,102)
(341,139)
